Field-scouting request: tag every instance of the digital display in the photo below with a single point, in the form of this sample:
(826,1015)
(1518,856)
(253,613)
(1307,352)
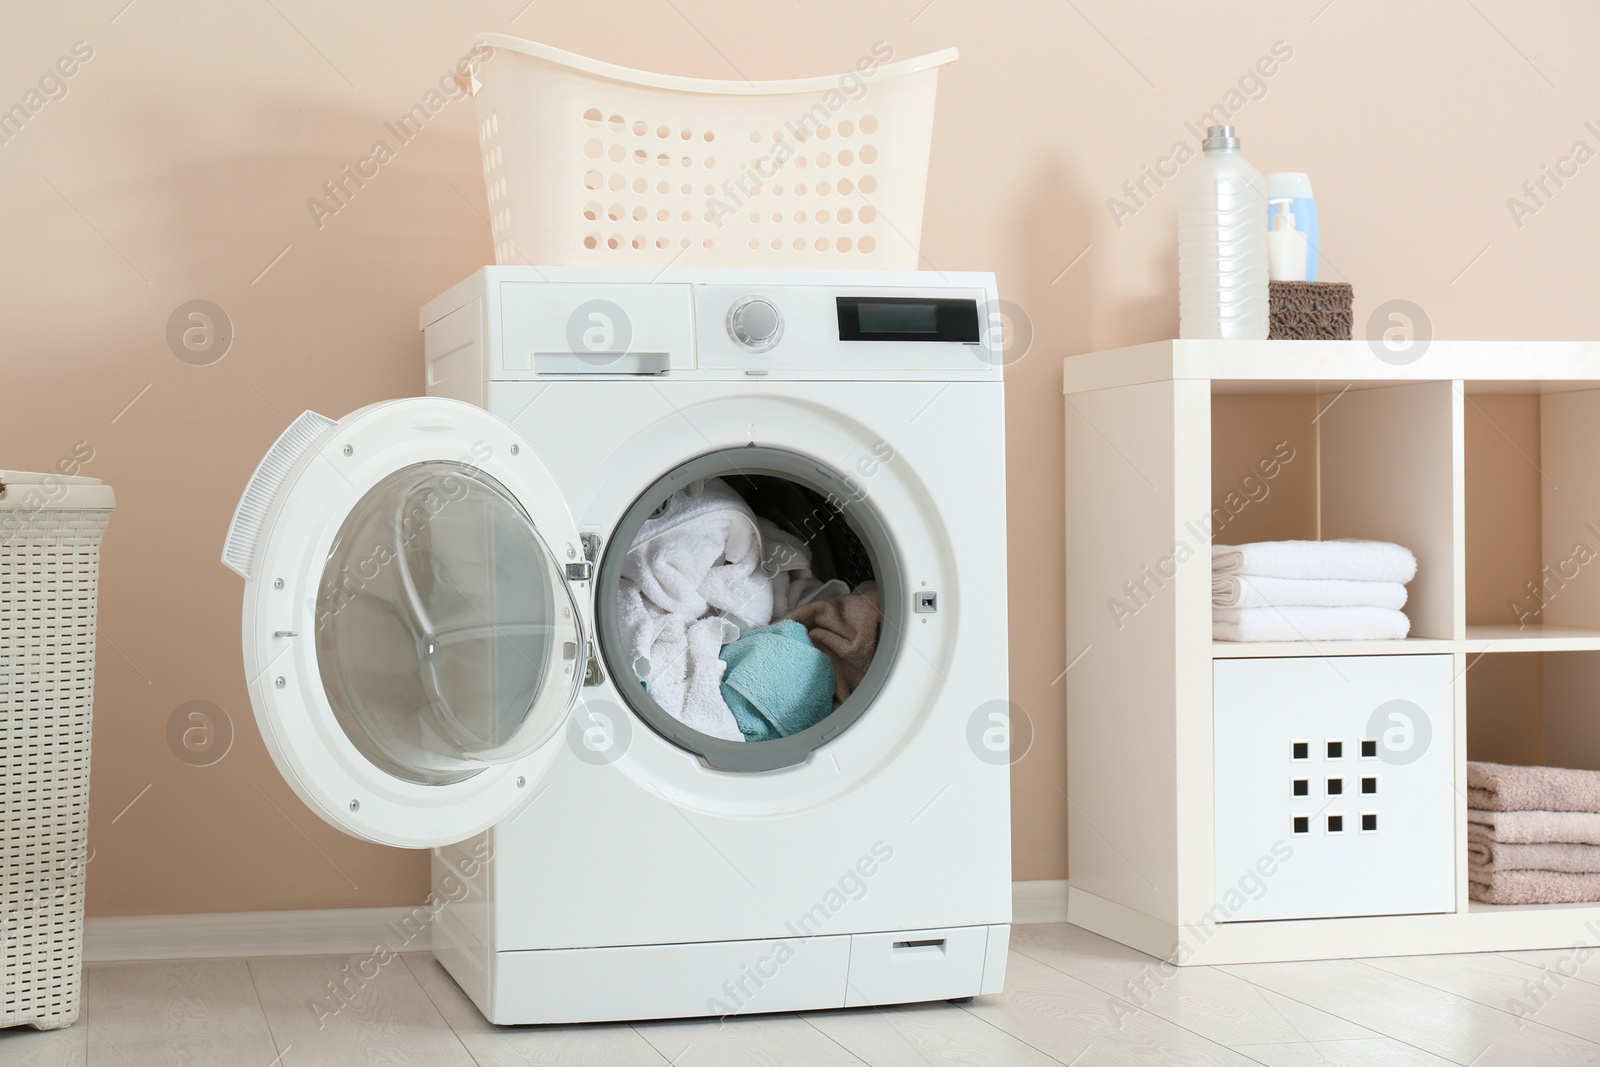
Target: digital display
(898,318)
(894,318)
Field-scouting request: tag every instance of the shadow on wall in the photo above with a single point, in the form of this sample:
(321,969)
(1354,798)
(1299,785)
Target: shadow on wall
(1062,217)
(386,197)
(1155,318)
(201,213)
(1056,233)
(1055,283)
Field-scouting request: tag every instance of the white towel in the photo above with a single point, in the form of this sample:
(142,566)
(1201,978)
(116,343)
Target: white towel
(691,582)
(701,553)
(677,659)
(640,624)
(703,708)
(1247,591)
(1367,561)
(1308,624)
(787,559)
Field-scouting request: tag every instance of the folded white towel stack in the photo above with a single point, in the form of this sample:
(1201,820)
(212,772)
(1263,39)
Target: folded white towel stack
(1245,591)
(1362,561)
(1308,624)
(1310,591)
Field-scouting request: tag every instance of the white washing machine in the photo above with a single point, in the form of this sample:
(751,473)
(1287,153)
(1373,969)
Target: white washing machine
(432,639)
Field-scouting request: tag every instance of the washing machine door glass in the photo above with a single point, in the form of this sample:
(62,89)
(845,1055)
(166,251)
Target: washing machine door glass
(442,622)
(415,622)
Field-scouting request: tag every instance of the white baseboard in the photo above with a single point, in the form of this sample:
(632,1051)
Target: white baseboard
(1043,901)
(349,931)
(327,932)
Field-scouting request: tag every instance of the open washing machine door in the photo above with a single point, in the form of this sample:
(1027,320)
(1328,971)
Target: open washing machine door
(411,641)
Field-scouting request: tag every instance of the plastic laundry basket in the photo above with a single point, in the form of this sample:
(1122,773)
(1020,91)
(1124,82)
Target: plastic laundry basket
(591,164)
(50,531)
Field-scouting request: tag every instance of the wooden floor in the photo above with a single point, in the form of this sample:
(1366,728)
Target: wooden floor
(1071,998)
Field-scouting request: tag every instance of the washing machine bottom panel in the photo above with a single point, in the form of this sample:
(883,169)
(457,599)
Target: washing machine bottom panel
(718,978)
(924,844)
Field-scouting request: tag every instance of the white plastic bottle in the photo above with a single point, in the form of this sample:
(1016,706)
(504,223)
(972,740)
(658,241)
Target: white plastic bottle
(1287,249)
(1222,244)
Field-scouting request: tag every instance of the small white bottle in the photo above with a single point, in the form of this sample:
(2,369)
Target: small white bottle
(1222,244)
(1287,249)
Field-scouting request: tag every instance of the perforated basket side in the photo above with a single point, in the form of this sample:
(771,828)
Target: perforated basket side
(582,169)
(251,513)
(49,570)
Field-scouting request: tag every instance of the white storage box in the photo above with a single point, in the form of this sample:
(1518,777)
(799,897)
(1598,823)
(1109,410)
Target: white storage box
(1334,787)
(592,164)
(50,531)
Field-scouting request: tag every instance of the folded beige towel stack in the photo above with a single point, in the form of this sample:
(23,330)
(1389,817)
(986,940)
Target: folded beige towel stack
(1533,834)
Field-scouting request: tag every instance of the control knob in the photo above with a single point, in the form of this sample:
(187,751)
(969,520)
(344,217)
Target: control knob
(755,323)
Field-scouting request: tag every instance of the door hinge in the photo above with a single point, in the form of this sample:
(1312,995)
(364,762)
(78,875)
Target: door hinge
(592,674)
(591,546)
(580,572)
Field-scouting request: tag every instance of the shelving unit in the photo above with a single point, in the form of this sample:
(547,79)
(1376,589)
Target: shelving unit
(1482,457)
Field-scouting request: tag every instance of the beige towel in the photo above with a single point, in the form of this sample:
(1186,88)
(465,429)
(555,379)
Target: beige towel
(1502,787)
(1537,827)
(846,629)
(1491,855)
(1531,887)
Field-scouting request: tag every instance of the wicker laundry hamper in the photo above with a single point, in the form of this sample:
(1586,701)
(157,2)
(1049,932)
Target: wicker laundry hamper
(50,531)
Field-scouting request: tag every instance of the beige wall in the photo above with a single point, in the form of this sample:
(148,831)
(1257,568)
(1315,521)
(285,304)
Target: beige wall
(1505,693)
(179,163)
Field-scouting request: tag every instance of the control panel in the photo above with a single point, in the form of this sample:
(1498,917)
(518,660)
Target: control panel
(528,323)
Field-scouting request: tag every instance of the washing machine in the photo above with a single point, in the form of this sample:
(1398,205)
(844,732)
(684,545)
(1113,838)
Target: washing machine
(436,660)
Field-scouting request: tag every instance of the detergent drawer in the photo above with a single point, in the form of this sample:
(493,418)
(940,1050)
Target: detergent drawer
(915,965)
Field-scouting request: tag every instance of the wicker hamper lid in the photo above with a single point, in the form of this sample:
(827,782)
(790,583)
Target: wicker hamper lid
(32,491)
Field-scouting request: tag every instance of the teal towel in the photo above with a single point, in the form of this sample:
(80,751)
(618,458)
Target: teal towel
(776,683)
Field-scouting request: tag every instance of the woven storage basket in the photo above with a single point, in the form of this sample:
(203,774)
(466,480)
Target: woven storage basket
(1310,311)
(50,531)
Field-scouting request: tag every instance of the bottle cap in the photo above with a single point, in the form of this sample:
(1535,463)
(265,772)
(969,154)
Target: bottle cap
(1282,217)
(1219,137)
